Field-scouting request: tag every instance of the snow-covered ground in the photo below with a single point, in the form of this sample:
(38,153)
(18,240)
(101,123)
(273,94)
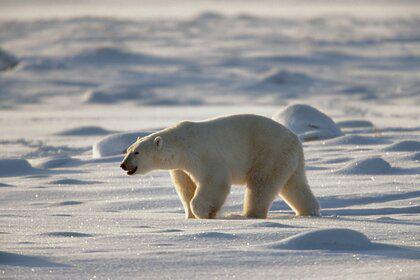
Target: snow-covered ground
(77,84)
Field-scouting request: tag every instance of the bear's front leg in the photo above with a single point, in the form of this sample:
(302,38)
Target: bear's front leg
(211,194)
(185,188)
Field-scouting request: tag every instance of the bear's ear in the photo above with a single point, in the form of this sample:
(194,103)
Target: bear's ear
(158,142)
(138,138)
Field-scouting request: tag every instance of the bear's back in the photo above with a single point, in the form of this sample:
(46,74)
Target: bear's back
(237,140)
(244,125)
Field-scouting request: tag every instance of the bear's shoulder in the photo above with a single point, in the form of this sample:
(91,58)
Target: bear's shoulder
(183,128)
(185,123)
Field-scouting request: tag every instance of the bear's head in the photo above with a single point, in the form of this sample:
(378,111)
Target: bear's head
(149,153)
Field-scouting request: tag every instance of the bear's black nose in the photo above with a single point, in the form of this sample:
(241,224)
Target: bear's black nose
(123,166)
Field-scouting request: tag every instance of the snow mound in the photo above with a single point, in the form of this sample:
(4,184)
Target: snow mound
(138,93)
(357,140)
(357,90)
(7,60)
(16,167)
(116,144)
(98,97)
(55,161)
(355,124)
(84,131)
(374,165)
(308,123)
(325,239)
(208,16)
(114,94)
(43,64)
(404,146)
(112,55)
(282,77)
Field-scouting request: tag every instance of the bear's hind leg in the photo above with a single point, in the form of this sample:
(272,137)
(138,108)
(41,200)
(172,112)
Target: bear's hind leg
(185,188)
(258,201)
(261,190)
(298,195)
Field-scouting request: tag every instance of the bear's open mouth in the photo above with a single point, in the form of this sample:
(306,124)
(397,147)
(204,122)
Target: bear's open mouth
(132,171)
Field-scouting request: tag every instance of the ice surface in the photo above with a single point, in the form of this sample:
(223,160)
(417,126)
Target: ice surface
(308,122)
(89,70)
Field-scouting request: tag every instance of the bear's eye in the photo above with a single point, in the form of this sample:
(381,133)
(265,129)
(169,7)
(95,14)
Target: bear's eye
(136,153)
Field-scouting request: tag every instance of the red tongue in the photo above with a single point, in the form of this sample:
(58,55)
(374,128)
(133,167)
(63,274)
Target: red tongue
(131,172)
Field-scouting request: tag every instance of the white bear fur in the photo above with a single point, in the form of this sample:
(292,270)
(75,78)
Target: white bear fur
(206,158)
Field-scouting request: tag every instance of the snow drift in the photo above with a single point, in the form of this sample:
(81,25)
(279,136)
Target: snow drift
(110,55)
(7,60)
(404,146)
(55,161)
(282,77)
(373,165)
(16,167)
(325,239)
(308,122)
(84,131)
(116,144)
(13,259)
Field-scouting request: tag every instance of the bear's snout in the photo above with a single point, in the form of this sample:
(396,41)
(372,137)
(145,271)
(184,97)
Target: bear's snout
(130,171)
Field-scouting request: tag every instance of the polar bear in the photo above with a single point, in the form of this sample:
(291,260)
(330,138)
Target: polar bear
(205,158)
